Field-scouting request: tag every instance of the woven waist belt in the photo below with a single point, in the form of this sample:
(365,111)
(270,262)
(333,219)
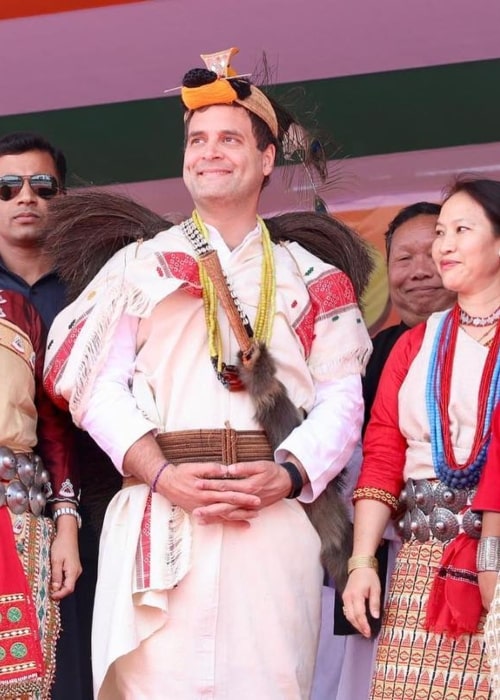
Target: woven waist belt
(24,483)
(225,446)
(434,509)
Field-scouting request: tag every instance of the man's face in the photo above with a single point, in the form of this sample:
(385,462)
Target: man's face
(222,164)
(414,282)
(23,217)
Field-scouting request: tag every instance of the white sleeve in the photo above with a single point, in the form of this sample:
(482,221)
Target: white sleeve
(325,440)
(112,417)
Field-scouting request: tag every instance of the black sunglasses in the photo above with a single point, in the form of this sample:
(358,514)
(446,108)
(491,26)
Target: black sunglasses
(44,186)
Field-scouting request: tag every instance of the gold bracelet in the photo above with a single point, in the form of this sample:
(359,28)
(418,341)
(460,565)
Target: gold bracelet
(362,562)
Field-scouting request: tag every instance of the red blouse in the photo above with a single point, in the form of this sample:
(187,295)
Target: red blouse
(384,447)
(488,491)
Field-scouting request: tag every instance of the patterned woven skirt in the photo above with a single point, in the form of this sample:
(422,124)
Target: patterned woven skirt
(33,538)
(412,663)
(492,636)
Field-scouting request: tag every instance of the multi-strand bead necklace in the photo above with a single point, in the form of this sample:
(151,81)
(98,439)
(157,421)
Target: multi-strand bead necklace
(264,318)
(438,388)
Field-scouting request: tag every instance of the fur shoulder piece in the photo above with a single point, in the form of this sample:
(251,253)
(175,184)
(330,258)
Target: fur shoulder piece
(85,229)
(328,239)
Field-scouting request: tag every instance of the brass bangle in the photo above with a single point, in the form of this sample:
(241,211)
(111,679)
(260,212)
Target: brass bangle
(362,562)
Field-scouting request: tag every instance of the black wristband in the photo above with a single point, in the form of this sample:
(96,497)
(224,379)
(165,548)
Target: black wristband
(296,478)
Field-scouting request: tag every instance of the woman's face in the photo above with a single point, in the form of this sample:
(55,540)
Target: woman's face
(466,250)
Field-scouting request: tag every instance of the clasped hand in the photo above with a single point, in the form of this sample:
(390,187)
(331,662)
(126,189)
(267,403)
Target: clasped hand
(215,492)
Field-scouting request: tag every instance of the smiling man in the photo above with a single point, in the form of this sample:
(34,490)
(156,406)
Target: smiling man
(415,285)
(210,577)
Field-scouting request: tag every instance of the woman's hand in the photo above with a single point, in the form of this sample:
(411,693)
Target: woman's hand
(64,558)
(487,583)
(363,585)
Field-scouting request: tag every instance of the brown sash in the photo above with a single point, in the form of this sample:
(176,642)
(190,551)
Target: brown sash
(225,446)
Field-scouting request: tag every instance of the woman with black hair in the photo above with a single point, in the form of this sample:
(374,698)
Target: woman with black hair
(424,451)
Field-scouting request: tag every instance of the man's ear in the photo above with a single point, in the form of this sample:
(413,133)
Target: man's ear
(268,157)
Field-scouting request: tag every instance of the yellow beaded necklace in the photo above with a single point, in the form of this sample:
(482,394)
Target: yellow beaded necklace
(264,317)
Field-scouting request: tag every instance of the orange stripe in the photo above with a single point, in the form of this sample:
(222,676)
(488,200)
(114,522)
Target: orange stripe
(26,8)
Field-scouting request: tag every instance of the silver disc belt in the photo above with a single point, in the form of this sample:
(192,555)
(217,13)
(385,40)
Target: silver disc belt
(24,482)
(434,510)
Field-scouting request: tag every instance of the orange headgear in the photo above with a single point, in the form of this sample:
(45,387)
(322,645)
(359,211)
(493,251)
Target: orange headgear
(219,84)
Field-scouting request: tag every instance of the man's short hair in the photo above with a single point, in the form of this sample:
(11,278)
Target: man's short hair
(18,142)
(263,138)
(406,214)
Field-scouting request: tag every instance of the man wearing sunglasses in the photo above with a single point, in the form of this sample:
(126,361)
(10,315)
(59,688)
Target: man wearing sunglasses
(32,171)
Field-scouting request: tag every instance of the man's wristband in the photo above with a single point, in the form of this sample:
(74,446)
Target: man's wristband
(160,471)
(295,477)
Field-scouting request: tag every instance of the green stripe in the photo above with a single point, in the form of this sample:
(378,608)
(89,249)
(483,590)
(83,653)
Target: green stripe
(378,113)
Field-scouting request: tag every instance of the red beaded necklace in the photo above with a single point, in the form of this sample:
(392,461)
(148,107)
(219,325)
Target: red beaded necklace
(445,364)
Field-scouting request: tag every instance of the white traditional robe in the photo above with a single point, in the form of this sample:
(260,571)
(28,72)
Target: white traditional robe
(243,620)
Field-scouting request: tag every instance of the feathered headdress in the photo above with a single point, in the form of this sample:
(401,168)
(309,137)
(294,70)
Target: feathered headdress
(218,84)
